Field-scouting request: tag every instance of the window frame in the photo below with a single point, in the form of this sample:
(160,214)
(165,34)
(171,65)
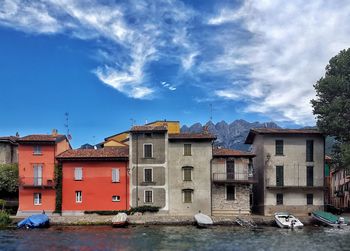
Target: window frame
(190,151)
(234,193)
(279,201)
(187,168)
(76,196)
(144,196)
(310,152)
(144,152)
(277,149)
(37,150)
(144,174)
(186,191)
(35,199)
(75,176)
(118,171)
(309,199)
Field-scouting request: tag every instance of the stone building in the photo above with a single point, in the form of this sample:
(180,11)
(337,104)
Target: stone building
(8,150)
(232,179)
(189,159)
(339,188)
(289,165)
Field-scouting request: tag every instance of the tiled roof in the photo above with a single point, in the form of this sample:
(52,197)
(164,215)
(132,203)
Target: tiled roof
(101,153)
(191,136)
(255,131)
(10,139)
(148,128)
(222,152)
(42,138)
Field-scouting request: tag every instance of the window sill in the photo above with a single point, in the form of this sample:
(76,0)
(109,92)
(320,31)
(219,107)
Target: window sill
(115,200)
(148,158)
(37,204)
(187,155)
(282,155)
(37,154)
(145,183)
(78,180)
(115,181)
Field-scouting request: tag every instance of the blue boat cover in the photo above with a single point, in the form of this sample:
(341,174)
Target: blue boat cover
(34,221)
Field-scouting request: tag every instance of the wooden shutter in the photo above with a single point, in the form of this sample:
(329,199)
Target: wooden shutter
(115,175)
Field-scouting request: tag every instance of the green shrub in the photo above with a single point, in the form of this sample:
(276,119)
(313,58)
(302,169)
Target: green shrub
(4,219)
(112,212)
(143,209)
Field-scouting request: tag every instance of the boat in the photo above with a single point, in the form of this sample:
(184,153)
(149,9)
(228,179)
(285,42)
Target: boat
(330,219)
(203,221)
(35,221)
(286,220)
(120,220)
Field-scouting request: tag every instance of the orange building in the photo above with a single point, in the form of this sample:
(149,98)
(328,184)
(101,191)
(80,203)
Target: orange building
(36,165)
(94,180)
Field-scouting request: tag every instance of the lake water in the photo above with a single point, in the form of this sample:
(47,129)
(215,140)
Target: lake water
(175,238)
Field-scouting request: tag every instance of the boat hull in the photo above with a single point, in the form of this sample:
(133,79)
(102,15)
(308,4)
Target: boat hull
(35,221)
(286,220)
(203,221)
(120,220)
(327,221)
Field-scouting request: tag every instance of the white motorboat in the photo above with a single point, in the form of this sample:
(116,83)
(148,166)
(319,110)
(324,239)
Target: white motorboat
(203,220)
(286,220)
(120,220)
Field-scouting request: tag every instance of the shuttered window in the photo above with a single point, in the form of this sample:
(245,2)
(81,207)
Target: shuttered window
(147,151)
(279,147)
(187,193)
(187,150)
(148,196)
(148,175)
(187,173)
(78,173)
(115,175)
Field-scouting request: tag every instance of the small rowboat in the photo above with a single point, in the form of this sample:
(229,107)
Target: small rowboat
(120,220)
(330,219)
(286,220)
(35,221)
(203,221)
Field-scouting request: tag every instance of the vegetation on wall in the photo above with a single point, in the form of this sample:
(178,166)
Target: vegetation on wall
(58,188)
(141,209)
(332,106)
(8,179)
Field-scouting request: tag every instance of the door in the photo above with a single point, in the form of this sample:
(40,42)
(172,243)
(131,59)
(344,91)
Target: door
(309,176)
(279,176)
(230,170)
(38,175)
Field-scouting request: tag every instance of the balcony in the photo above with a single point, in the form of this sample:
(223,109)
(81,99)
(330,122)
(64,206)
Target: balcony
(295,183)
(35,182)
(233,178)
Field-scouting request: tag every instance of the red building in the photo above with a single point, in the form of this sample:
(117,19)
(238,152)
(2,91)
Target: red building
(36,164)
(94,180)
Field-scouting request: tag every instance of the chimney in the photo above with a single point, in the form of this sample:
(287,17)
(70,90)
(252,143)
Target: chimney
(54,132)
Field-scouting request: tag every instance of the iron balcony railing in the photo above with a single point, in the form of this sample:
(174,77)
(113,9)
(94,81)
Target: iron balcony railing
(36,182)
(294,182)
(235,177)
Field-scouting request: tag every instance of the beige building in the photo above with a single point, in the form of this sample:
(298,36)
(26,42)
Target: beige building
(289,165)
(189,159)
(232,179)
(339,188)
(8,150)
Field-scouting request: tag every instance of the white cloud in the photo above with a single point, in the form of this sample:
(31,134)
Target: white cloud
(228,94)
(168,86)
(292,41)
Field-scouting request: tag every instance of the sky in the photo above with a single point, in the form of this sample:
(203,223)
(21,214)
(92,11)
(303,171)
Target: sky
(111,64)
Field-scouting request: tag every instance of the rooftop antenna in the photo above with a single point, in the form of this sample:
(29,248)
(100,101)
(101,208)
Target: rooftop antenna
(66,125)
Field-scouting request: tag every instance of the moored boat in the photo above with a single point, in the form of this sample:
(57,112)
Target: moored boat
(286,220)
(120,220)
(330,219)
(203,220)
(35,221)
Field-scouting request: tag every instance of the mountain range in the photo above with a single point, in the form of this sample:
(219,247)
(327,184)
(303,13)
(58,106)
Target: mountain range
(230,135)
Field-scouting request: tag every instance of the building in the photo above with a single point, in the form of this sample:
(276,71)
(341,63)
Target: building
(36,165)
(8,150)
(148,162)
(289,165)
(94,180)
(189,159)
(340,182)
(232,180)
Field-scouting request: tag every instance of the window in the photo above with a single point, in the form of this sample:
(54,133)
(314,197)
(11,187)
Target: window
(309,150)
(78,196)
(37,198)
(148,175)
(309,176)
(38,175)
(187,175)
(279,199)
(187,193)
(115,174)
(230,192)
(279,147)
(187,150)
(309,199)
(37,150)
(147,151)
(115,198)
(149,196)
(78,173)
(279,176)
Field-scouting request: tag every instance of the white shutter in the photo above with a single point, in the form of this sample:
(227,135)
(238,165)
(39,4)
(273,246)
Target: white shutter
(78,173)
(115,175)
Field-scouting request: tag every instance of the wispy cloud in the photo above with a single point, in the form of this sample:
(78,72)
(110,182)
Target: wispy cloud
(291,43)
(168,86)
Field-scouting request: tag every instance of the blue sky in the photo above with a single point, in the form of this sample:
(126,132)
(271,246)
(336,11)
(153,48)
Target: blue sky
(107,62)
